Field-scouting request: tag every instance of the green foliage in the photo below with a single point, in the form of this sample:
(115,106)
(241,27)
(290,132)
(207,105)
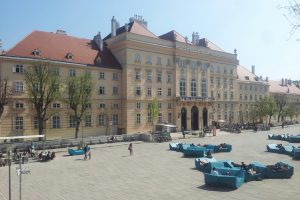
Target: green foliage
(42,87)
(153,111)
(5,94)
(79,95)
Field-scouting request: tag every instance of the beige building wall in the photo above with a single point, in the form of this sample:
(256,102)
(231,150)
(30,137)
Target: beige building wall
(113,102)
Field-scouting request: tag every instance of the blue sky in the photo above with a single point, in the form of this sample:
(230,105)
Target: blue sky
(257,29)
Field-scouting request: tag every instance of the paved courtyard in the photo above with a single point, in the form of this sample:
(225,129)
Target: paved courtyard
(153,173)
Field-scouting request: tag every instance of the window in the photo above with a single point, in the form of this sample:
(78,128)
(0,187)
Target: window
(250,87)
(149,76)
(169,117)
(158,76)
(231,95)
(69,56)
(149,117)
(169,78)
(225,71)
(115,119)
(56,105)
(137,58)
(169,105)
(55,71)
(246,97)
(115,106)
(36,52)
(115,76)
(138,118)
(169,62)
(159,105)
(241,87)
(255,97)
(231,71)
(138,90)
(101,105)
(193,88)
(250,97)
(19,69)
(225,83)
(203,88)
(72,121)
(115,91)
(219,106)
(231,83)
(101,75)
(19,123)
(158,61)
(149,91)
(182,88)
(246,87)
(88,105)
(225,106)
(241,96)
(159,92)
(137,75)
(169,92)
(211,80)
(19,105)
(35,123)
(55,122)
(101,90)
(88,121)
(138,105)
(212,93)
(159,117)
(72,72)
(218,82)
(101,120)
(149,60)
(19,87)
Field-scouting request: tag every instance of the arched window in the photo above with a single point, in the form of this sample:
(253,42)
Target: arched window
(193,88)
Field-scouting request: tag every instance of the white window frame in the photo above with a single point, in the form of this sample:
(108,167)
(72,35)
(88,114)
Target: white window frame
(19,86)
(56,121)
(72,72)
(19,123)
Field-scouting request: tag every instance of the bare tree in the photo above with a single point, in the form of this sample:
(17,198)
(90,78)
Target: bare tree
(5,94)
(292,15)
(79,96)
(42,86)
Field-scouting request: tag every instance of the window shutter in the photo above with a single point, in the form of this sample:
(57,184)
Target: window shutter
(14,69)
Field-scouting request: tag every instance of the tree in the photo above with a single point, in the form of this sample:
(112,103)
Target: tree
(5,94)
(271,107)
(280,100)
(79,95)
(42,86)
(153,109)
(290,111)
(293,15)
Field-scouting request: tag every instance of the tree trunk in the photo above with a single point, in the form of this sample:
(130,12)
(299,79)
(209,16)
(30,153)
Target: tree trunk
(41,126)
(270,119)
(77,129)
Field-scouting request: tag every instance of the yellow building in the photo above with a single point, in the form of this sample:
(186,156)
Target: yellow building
(250,88)
(193,81)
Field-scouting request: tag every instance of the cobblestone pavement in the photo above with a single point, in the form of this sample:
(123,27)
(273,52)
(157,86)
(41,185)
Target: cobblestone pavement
(153,172)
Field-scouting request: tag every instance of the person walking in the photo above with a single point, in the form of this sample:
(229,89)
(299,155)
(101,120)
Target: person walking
(183,133)
(90,154)
(85,150)
(130,149)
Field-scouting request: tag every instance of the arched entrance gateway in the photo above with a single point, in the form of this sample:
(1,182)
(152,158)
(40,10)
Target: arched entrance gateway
(195,118)
(183,118)
(204,117)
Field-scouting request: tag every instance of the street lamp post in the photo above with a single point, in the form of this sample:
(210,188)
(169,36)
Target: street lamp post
(9,173)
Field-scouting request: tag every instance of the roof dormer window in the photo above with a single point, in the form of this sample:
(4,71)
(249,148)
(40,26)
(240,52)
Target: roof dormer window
(36,52)
(98,60)
(69,56)
(247,77)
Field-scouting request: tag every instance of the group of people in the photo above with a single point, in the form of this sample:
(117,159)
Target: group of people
(46,156)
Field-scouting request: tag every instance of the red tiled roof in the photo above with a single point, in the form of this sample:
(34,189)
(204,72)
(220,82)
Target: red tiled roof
(174,36)
(55,47)
(242,73)
(277,87)
(134,27)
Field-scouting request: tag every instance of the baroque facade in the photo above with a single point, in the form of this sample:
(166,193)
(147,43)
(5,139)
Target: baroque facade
(194,82)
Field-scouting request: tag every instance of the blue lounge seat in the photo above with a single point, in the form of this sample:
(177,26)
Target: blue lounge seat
(174,146)
(73,152)
(294,139)
(231,178)
(296,154)
(203,163)
(194,151)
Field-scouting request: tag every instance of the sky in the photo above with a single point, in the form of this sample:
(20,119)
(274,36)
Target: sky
(257,29)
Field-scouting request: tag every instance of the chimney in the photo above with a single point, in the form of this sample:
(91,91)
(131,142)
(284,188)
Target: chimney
(282,82)
(290,82)
(126,27)
(139,19)
(267,79)
(61,32)
(195,38)
(98,40)
(113,27)
(253,69)
(285,82)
